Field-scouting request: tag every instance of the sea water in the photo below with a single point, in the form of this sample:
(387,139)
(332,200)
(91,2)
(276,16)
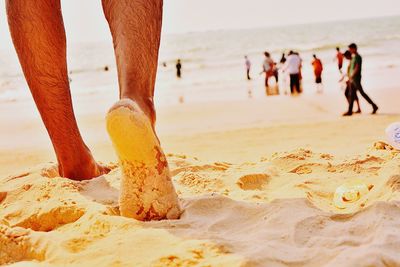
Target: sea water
(213,63)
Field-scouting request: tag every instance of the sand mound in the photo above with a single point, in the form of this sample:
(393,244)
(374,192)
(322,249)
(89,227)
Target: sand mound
(279,211)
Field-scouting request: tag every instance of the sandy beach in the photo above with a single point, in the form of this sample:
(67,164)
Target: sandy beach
(263,181)
(256,178)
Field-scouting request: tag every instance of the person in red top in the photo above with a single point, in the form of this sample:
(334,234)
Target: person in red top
(318,68)
(339,57)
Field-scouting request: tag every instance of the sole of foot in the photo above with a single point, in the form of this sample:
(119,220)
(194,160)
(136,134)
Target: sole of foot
(147,192)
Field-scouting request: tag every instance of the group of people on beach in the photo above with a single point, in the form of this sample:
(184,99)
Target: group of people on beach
(292,66)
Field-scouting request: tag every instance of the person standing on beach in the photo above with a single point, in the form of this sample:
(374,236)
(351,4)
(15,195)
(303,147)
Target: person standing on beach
(178,69)
(38,34)
(282,62)
(247,63)
(293,66)
(283,59)
(355,80)
(339,58)
(318,68)
(268,67)
(348,93)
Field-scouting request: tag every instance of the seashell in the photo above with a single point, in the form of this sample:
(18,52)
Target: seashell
(349,193)
(393,134)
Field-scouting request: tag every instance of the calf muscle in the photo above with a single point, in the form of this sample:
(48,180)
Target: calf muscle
(38,35)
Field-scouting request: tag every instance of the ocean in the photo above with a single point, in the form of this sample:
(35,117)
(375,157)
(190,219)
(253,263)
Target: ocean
(213,63)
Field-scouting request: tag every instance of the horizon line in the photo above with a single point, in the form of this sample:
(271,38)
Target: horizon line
(281,25)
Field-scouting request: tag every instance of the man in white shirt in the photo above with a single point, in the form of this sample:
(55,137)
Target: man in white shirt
(292,66)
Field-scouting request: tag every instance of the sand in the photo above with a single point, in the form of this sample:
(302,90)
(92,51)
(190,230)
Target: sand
(256,180)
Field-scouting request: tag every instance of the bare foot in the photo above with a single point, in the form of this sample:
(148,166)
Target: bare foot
(147,192)
(86,169)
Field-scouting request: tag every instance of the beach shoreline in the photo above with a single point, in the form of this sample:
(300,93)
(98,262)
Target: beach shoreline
(263,180)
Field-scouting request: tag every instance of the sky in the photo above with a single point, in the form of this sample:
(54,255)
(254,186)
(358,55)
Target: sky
(85,22)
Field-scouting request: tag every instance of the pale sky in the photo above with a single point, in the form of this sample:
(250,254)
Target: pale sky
(85,22)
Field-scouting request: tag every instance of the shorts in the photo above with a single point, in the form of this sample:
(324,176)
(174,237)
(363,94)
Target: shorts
(318,79)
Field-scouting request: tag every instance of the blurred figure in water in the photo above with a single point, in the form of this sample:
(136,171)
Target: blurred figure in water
(283,73)
(318,68)
(268,66)
(339,58)
(178,69)
(247,63)
(293,67)
(270,69)
(283,59)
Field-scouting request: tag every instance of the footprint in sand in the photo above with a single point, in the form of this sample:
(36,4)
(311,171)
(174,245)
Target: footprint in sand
(147,192)
(49,220)
(393,183)
(253,181)
(17,245)
(3,195)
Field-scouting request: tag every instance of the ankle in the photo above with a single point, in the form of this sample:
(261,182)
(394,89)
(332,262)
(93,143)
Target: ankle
(79,166)
(146,105)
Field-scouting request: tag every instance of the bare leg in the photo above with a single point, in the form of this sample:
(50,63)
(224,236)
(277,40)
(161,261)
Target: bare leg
(38,34)
(147,191)
(358,106)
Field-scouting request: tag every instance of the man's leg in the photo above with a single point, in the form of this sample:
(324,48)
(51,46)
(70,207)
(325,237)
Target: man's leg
(357,84)
(352,97)
(297,83)
(38,34)
(291,84)
(147,191)
(358,103)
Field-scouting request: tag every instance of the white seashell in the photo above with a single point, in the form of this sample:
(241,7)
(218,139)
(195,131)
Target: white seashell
(393,134)
(349,193)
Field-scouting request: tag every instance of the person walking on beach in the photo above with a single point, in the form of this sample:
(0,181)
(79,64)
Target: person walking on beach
(339,58)
(247,63)
(348,93)
(38,34)
(178,69)
(318,68)
(355,80)
(293,66)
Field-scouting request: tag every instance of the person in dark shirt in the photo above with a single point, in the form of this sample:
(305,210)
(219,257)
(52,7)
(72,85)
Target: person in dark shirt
(283,59)
(347,92)
(355,80)
(178,69)
(248,67)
